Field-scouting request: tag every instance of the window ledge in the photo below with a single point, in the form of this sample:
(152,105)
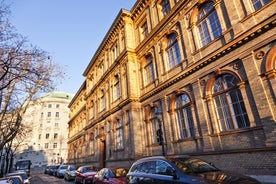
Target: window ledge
(236,131)
(187,139)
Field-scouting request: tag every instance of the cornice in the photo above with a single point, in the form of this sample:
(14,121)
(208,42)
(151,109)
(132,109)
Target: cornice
(116,25)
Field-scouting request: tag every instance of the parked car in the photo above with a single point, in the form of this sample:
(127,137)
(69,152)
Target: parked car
(69,173)
(179,170)
(47,169)
(53,170)
(5,181)
(60,171)
(16,179)
(85,174)
(22,174)
(111,176)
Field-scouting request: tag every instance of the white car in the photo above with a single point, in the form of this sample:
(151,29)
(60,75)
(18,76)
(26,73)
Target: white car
(61,170)
(23,175)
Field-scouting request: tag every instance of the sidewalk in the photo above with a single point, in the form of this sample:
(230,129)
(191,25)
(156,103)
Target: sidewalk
(265,179)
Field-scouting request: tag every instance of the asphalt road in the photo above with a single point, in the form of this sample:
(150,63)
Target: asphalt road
(38,177)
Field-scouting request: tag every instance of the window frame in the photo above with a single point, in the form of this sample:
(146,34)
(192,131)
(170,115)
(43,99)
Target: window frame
(165,7)
(228,113)
(174,57)
(184,117)
(117,87)
(148,70)
(260,4)
(154,126)
(119,134)
(208,24)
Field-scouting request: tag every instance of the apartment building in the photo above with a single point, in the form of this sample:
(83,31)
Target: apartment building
(174,77)
(46,125)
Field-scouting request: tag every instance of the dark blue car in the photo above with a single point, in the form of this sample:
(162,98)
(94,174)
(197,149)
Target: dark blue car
(180,170)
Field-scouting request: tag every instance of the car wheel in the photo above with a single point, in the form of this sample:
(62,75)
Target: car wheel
(76,181)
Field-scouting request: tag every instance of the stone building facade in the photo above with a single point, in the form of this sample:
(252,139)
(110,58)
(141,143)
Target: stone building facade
(200,73)
(46,125)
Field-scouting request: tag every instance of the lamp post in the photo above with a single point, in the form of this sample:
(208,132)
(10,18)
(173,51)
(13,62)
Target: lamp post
(159,132)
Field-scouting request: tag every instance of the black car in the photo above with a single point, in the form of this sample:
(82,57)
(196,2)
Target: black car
(53,170)
(179,170)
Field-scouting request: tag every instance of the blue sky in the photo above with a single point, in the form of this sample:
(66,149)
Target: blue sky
(70,30)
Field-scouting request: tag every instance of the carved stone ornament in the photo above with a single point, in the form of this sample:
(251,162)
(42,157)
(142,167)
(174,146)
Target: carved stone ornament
(202,82)
(236,66)
(259,54)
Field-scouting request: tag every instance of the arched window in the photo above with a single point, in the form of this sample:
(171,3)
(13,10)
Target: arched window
(173,51)
(149,76)
(229,105)
(184,118)
(258,4)
(208,24)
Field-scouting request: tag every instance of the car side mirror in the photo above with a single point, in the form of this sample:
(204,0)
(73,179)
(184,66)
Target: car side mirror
(170,171)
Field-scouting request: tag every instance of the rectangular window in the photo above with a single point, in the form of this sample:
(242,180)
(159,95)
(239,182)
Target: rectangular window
(101,68)
(47,136)
(114,53)
(39,136)
(149,73)
(117,88)
(55,145)
(165,7)
(55,135)
(102,101)
(56,124)
(57,106)
(258,4)
(91,112)
(49,114)
(119,135)
(144,31)
(57,114)
(46,145)
(49,105)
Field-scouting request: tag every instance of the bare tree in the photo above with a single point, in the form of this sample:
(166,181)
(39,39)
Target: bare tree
(25,72)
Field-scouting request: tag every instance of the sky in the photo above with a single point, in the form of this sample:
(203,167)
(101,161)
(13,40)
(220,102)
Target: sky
(69,30)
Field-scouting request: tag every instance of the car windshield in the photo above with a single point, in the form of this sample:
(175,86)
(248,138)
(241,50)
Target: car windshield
(89,169)
(193,165)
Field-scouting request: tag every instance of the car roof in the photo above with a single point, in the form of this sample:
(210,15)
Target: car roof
(161,157)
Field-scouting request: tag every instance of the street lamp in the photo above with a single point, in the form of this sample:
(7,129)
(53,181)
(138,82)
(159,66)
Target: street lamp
(159,132)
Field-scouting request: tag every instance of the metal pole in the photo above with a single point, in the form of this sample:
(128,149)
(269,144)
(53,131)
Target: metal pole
(162,139)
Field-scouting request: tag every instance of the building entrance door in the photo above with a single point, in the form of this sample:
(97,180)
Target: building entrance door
(102,153)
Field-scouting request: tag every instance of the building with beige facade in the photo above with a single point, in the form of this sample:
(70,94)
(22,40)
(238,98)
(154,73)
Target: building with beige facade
(174,77)
(47,121)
